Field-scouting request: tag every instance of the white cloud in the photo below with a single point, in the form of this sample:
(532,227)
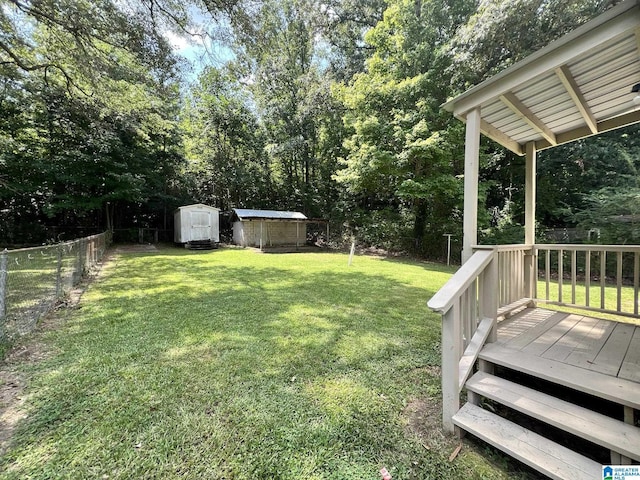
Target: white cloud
(178,42)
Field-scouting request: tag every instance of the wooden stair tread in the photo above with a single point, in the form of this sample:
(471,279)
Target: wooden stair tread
(601,385)
(538,452)
(597,428)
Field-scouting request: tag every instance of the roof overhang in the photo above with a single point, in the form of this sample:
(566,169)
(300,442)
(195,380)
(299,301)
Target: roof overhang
(200,206)
(577,86)
(246,214)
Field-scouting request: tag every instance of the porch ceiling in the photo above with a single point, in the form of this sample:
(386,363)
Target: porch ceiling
(577,86)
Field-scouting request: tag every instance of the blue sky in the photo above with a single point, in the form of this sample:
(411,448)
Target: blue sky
(199,49)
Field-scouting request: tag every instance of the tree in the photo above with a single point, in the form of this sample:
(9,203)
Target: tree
(403,154)
(226,162)
(90,114)
(279,57)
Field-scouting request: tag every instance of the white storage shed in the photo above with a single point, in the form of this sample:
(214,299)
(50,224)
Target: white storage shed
(196,223)
(267,228)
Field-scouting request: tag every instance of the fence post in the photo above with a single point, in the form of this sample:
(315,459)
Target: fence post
(78,267)
(4,256)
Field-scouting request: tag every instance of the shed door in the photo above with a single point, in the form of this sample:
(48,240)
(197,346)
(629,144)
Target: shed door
(200,226)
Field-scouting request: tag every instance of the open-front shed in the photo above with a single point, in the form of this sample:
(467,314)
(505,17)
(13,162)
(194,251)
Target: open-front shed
(268,228)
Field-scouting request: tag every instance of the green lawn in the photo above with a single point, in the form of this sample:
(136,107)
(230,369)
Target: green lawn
(595,295)
(231,364)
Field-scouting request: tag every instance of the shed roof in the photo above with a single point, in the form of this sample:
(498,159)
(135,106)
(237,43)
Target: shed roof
(250,214)
(577,86)
(197,205)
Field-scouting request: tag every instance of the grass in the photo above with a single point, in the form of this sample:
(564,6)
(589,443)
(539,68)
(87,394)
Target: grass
(236,365)
(595,293)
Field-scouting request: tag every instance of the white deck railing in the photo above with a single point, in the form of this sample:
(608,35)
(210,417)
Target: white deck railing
(604,278)
(468,303)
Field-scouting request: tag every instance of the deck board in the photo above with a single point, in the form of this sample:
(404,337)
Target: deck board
(545,341)
(630,369)
(585,354)
(612,354)
(526,327)
(574,339)
(590,343)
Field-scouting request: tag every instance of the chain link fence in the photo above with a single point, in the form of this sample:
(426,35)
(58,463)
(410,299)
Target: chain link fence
(32,280)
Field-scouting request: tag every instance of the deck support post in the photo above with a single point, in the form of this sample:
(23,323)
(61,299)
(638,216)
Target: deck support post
(530,221)
(629,417)
(451,352)
(471,162)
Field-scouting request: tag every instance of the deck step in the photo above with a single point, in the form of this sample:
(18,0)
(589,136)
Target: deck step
(538,452)
(584,423)
(514,307)
(623,392)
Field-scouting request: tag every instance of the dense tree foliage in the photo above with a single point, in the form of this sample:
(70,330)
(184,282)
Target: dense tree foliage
(89,109)
(226,163)
(331,108)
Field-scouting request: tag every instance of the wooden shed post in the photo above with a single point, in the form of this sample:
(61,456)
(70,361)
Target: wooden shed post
(261,225)
(471,161)
(297,233)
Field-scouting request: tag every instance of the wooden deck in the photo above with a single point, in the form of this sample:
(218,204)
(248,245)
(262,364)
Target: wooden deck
(583,361)
(596,345)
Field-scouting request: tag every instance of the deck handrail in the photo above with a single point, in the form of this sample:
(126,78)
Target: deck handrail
(587,247)
(468,304)
(442,301)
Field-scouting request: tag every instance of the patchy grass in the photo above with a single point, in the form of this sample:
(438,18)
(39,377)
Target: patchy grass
(236,365)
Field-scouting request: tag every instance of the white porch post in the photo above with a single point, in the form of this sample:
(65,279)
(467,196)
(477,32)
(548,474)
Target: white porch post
(530,220)
(530,196)
(471,162)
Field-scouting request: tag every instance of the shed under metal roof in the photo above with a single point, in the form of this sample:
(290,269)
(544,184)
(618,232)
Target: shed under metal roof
(577,86)
(250,214)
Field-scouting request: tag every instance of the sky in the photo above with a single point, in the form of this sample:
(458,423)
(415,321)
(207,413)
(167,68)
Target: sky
(200,50)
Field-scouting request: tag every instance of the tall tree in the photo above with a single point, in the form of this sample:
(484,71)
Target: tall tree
(291,90)
(226,162)
(403,155)
(90,112)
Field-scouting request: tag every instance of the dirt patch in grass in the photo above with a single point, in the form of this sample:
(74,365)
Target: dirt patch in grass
(11,400)
(424,421)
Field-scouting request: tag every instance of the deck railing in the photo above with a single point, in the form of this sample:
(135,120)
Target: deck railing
(602,278)
(468,303)
(516,266)
(497,279)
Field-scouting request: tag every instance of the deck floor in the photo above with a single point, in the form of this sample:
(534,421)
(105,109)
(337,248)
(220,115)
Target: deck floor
(602,346)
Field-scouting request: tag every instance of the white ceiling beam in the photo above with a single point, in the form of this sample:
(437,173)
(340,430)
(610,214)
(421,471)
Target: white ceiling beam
(564,74)
(496,135)
(583,132)
(520,109)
